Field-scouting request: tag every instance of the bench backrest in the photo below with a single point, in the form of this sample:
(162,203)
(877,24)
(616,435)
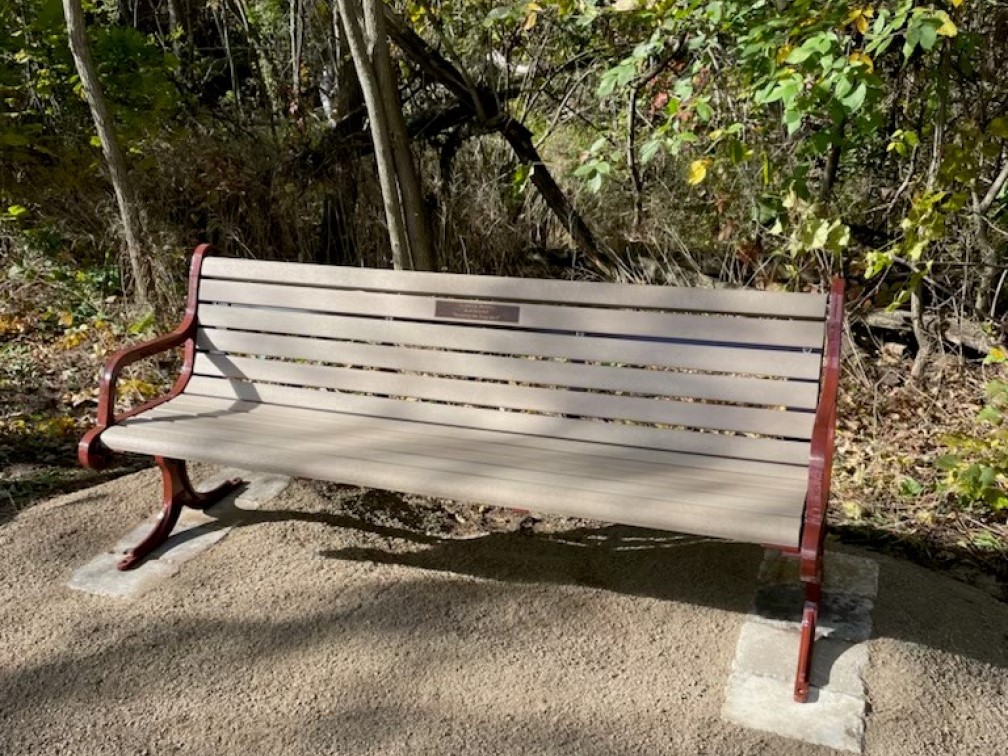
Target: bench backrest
(618,363)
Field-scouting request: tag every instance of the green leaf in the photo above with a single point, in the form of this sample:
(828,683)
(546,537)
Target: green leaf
(928,35)
(649,150)
(793,120)
(799,55)
(990,415)
(910,488)
(999,127)
(947,462)
(704,110)
(856,99)
(144,324)
(820,235)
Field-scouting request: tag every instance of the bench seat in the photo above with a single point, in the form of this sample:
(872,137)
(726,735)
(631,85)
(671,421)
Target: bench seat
(742,500)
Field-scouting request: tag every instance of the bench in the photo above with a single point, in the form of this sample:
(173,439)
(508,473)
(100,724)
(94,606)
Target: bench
(708,412)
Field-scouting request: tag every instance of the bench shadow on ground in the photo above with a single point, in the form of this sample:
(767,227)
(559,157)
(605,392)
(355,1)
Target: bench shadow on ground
(700,571)
(122,663)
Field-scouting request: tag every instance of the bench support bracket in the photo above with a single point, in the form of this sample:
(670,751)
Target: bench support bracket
(178,493)
(813,537)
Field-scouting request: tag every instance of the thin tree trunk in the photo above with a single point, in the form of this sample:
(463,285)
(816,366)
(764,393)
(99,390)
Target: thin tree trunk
(520,139)
(129,208)
(337,241)
(175,29)
(350,15)
(925,341)
(984,303)
(832,167)
(411,194)
(296,44)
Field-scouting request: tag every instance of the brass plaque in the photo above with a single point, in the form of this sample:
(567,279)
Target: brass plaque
(494,313)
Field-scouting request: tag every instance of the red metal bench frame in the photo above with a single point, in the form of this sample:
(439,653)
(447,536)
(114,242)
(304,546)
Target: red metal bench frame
(179,492)
(810,552)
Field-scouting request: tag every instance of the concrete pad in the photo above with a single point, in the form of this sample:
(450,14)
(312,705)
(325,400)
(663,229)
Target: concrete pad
(842,573)
(831,719)
(759,693)
(841,615)
(195,532)
(770,651)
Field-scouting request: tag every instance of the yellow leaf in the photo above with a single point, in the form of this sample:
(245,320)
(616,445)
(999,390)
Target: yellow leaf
(530,20)
(782,53)
(621,6)
(947,29)
(697,171)
(957,3)
(859,17)
(863,59)
(65,319)
(11,324)
(143,388)
(71,340)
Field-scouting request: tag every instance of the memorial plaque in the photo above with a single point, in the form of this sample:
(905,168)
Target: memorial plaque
(488,311)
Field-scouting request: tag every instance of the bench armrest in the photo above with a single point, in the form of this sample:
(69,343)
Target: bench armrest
(823,433)
(90,452)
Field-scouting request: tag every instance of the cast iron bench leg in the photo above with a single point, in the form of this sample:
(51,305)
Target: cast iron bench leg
(810,614)
(178,492)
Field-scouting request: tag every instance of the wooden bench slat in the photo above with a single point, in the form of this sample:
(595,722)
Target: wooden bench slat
(565,468)
(719,515)
(724,329)
(741,389)
(765,422)
(597,460)
(713,444)
(739,301)
(776,363)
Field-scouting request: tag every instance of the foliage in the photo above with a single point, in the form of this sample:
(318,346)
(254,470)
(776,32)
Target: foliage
(976,467)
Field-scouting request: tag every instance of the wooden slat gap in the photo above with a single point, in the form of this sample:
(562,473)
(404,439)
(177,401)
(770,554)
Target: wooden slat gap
(538,413)
(685,398)
(547,358)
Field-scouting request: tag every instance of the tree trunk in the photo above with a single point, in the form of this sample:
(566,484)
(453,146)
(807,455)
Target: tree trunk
(129,208)
(832,167)
(350,15)
(925,341)
(985,303)
(337,240)
(175,29)
(410,192)
(520,139)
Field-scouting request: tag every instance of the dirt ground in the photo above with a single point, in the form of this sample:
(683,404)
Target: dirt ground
(348,622)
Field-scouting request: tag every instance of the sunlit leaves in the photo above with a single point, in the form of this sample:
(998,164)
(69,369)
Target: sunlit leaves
(903,142)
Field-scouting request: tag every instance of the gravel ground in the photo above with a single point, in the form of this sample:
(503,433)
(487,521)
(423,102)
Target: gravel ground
(332,623)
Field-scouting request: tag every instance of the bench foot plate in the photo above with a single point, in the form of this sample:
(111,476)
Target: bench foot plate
(178,493)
